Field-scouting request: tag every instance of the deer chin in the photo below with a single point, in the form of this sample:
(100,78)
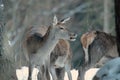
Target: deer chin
(73,38)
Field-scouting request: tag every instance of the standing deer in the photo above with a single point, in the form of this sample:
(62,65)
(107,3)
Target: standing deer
(86,40)
(39,48)
(99,47)
(60,61)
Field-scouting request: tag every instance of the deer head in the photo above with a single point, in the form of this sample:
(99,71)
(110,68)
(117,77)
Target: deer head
(60,31)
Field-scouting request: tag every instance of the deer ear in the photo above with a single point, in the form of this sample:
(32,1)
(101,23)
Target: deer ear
(55,20)
(65,20)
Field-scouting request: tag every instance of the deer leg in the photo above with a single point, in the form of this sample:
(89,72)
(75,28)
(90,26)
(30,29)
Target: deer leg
(53,73)
(47,74)
(67,69)
(30,72)
(41,72)
(47,69)
(60,73)
(78,78)
(81,74)
(69,75)
(38,76)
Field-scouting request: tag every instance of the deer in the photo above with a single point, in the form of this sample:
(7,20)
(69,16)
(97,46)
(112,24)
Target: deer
(39,48)
(99,47)
(60,60)
(86,40)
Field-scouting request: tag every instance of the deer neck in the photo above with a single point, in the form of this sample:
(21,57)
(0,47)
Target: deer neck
(49,42)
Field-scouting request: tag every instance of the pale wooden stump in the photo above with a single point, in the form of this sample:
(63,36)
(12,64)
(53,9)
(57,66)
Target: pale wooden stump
(89,74)
(35,73)
(74,75)
(22,74)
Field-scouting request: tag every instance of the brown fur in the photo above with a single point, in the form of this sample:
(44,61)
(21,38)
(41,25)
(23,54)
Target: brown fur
(102,49)
(39,47)
(62,49)
(36,38)
(88,38)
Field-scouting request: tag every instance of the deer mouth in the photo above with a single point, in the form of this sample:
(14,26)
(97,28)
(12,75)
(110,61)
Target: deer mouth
(73,38)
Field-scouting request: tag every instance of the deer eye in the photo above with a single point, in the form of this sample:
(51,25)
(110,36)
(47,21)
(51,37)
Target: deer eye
(61,28)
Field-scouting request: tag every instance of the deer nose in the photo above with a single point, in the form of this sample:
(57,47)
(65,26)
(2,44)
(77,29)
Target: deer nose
(73,34)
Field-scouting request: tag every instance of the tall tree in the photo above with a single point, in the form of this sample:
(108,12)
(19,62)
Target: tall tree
(1,24)
(117,22)
(106,16)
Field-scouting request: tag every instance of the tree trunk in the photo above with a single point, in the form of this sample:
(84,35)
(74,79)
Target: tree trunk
(1,25)
(106,27)
(117,22)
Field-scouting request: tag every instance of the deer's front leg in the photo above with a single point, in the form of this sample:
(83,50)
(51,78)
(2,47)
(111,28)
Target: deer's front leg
(60,72)
(81,73)
(53,73)
(67,69)
(41,72)
(30,72)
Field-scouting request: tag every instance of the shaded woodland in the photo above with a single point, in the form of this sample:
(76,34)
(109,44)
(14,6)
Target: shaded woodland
(17,15)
